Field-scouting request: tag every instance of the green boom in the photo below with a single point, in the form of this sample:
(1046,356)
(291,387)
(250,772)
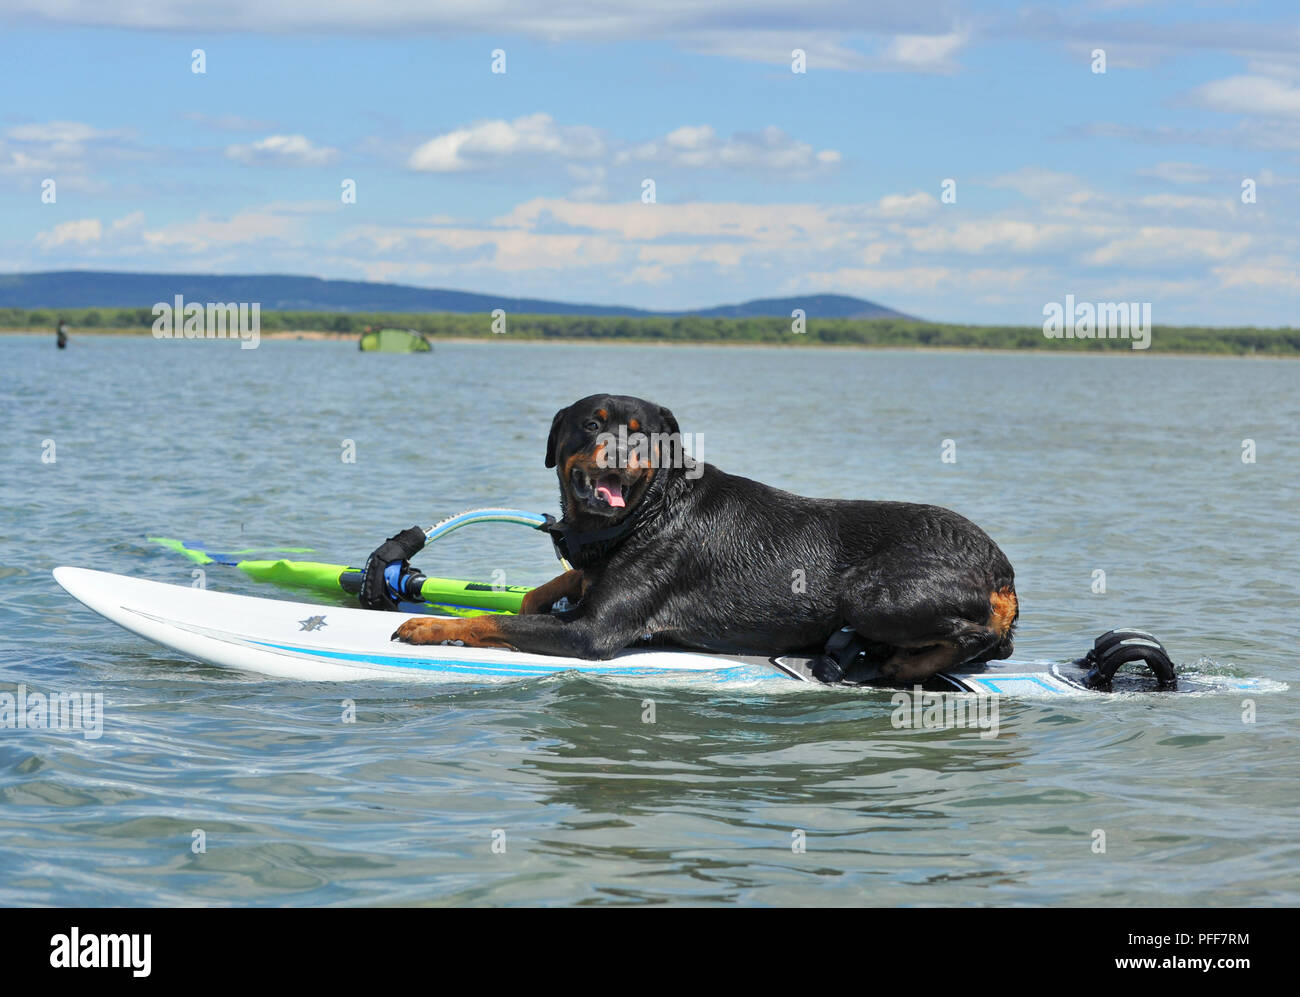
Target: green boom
(442,595)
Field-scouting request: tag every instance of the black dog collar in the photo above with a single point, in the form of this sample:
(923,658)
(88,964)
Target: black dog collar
(583,548)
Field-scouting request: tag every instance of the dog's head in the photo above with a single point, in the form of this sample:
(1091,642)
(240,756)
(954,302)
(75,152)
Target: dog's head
(607,450)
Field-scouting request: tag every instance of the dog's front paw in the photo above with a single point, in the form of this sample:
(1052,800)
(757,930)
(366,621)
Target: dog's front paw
(420,630)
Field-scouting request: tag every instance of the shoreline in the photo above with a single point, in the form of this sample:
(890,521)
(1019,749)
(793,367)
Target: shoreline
(317,335)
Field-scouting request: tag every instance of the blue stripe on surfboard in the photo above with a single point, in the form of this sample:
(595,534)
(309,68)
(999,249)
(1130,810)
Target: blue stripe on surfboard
(994,683)
(521,670)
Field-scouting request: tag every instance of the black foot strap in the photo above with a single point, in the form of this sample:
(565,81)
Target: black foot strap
(847,659)
(1119,647)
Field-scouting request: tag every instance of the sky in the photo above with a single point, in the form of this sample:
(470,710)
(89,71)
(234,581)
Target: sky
(958,161)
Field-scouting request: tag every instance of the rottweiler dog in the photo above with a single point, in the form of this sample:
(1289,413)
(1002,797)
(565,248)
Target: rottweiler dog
(671,549)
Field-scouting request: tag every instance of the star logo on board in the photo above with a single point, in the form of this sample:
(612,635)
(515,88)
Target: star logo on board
(313,623)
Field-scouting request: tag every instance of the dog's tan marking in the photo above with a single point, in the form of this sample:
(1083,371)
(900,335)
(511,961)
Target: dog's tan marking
(477,631)
(1002,610)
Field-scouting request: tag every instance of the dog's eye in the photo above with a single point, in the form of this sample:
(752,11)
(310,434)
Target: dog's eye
(591,425)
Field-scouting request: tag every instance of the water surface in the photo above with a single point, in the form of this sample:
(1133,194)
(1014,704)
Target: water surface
(1126,464)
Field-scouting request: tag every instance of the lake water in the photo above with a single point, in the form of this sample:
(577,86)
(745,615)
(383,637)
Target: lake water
(1131,465)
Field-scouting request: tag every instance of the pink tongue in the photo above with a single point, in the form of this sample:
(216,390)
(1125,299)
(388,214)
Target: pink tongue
(611,494)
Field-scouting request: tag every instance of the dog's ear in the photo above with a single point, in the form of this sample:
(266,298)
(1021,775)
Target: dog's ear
(553,440)
(669,420)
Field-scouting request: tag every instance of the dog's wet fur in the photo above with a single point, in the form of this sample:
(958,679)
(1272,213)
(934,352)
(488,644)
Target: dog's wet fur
(722,563)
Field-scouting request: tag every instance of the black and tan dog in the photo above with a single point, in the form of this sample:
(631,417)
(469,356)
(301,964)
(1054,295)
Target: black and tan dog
(681,551)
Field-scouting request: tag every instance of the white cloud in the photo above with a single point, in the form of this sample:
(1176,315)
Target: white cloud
(927,53)
(128,223)
(866,46)
(916,36)
(205,232)
(781,222)
(1040,184)
(903,244)
(1279,275)
(288,150)
(81,232)
(902,249)
(89,233)
(493,249)
(1270,66)
(622,238)
(1254,95)
(586,151)
(906,205)
(1173,172)
(1245,133)
(698,146)
(1188,204)
(56,132)
(490,144)
(50,145)
(912,279)
(1157,244)
(1135,42)
(822,49)
(1005,235)
(17,161)
(592,182)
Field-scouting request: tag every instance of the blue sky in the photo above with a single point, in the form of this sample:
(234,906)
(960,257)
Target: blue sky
(1116,186)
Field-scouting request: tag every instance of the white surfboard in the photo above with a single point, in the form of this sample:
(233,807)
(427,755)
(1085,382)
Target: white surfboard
(310,642)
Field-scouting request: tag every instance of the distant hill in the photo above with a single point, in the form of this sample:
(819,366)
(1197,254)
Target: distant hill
(816,305)
(276,292)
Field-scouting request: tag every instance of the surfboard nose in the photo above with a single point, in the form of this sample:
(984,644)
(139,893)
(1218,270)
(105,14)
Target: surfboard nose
(72,579)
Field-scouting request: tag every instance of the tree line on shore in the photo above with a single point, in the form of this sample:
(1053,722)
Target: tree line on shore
(880,332)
